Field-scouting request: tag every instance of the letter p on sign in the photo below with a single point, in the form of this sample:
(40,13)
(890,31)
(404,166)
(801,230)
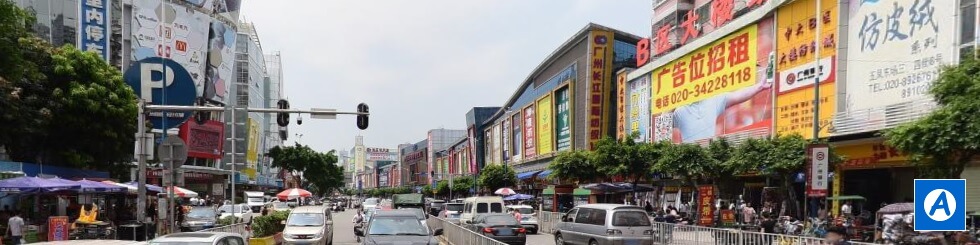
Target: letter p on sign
(154,75)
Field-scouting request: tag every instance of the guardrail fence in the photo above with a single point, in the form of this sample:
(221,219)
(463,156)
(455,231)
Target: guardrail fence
(239,228)
(457,235)
(666,233)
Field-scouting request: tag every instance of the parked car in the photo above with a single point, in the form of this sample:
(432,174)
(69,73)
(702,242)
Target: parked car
(435,206)
(451,212)
(200,238)
(370,203)
(481,205)
(604,224)
(309,225)
(242,212)
(529,219)
(199,218)
(396,227)
(277,206)
(500,227)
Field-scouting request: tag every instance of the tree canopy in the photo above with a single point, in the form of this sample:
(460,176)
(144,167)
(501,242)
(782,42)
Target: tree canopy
(573,165)
(625,157)
(943,142)
(319,169)
(495,176)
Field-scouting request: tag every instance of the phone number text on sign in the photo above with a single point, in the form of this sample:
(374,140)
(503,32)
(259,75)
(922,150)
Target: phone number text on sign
(722,66)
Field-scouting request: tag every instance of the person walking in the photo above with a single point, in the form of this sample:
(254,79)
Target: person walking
(15,227)
(517,215)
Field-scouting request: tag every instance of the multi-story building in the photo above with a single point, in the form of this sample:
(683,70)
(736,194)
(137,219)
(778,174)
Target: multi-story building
(372,166)
(475,138)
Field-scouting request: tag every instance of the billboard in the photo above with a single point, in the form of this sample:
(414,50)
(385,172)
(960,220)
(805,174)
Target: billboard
(672,28)
(530,149)
(221,61)
(638,116)
(621,105)
(472,142)
(488,146)
(505,138)
(544,130)
(798,66)
(517,137)
(497,144)
(252,153)
(563,119)
(381,154)
(894,57)
(174,31)
(204,140)
(720,89)
(600,62)
(93,23)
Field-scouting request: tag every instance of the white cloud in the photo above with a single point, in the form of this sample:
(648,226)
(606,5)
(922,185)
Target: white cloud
(419,64)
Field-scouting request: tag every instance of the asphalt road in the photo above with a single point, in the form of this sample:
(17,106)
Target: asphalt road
(343,228)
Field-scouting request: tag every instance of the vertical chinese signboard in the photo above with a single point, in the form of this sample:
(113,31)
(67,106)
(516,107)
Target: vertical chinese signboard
(94,27)
(505,138)
(530,149)
(621,118)
(706,205)
(58,228)
(720,89)
(544,131)
(819,161)
(517,137)
(563,124)
(798,66)
(472,141)
(895,49)
(639,108)
(600,62)
(252,153)
(497,144)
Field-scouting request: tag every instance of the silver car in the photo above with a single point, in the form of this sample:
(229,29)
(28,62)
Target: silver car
(600,224)
(200,238)
(309,225)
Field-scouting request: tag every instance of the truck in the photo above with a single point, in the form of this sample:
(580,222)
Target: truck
(407,201)
(255,201)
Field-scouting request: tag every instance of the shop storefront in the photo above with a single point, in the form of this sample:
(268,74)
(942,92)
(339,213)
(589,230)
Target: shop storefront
(875,171)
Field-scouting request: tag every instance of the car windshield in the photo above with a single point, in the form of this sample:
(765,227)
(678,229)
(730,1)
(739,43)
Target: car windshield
(525,210)
(630,218)
(454,207)
(201,213)
(371,201)
(500,220)
(227,208)
(256,199)
(280,205)
(402,226)
(305,219)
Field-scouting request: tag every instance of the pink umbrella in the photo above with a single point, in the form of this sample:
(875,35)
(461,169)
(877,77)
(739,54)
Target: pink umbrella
(505,191)
(293,194)
(184,193)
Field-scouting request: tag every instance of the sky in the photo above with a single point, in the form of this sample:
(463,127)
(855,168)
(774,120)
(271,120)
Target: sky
(419,64)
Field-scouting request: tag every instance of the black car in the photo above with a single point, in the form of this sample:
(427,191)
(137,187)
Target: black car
(501,227)
(396,227)
(199,218)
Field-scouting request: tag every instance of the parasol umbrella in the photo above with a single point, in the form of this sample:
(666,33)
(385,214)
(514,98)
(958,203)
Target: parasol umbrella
(505,191)
(293,194)
(518,197)
(182,193)
(895,208)
(35,185)
(88,186)
(149,187)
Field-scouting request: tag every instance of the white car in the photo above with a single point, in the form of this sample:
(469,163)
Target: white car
(370,203)
(309,225)
(529,219)
(242,212)
(200,238)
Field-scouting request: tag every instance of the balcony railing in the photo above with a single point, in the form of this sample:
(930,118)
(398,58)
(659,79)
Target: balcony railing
(879,118)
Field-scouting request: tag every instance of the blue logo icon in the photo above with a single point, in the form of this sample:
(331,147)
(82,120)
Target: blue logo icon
(940,204)
(162,81)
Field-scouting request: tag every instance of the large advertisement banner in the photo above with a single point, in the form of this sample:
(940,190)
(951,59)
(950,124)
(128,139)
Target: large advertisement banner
(497,144)
(563,119)
(545,131)
(174,31)
(895,49)
(530,149)
(638,117)
(798,66)
(717,90)
(517,137)
(621,107)
(252,153)
(93,31)
(600,57)
(472,141)
(505,141)
(488,146)
(204,140)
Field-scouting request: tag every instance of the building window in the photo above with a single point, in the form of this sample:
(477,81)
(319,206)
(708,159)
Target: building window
(624,54)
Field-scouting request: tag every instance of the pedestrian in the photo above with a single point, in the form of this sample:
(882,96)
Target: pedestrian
(649,208)
(15,227)
(836,236)
(748,214)
(359,217)
(517,215)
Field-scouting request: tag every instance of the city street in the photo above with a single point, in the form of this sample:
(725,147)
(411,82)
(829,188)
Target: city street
(343,233)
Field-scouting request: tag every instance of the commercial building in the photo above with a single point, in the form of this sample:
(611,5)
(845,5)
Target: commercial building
(474,136)
(567,102)
(714,69)
(373,167)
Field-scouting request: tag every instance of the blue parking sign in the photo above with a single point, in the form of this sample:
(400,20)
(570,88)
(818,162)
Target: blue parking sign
(940,204)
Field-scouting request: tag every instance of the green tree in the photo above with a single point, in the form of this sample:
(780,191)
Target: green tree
(461,185)
(573,165)
(495,176)
(722,170)
(688,161)
(321,168)
(943,142)
(625,158)
(442,187)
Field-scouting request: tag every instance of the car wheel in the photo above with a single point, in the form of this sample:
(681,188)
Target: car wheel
(559,240)
(593,242)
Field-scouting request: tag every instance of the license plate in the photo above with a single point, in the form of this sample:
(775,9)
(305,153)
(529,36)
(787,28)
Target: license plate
(631,242)
(505,232)
(525,218)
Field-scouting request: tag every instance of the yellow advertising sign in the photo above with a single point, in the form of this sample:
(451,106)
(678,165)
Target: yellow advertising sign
(798,67)
(600,64)
(252,153)
(621,106)
(545,132)
(870,156)
(725,65)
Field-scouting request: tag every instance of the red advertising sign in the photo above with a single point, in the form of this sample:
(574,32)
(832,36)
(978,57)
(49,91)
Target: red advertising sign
(706,207)
(203,140)
(671,31)
(530,149)
(727,217)
(58,228)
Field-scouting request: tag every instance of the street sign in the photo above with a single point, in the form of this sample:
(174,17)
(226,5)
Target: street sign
(162,81)
(817,176)
(174,150)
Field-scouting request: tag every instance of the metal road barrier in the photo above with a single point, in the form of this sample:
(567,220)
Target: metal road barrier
(667,233)
(239,228)
(457,235)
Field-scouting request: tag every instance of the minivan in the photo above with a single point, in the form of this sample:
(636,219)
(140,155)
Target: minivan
(604,224)
(309,225)
(480,205)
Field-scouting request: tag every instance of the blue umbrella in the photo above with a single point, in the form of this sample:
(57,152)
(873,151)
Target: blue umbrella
(35,185)
(518,197)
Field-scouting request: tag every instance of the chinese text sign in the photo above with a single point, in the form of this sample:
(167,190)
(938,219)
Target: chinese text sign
(563,117)
(599,64)
(530,149)
(639,107)
(94,31)
(545,131)
(621,131)
(798,67)
(706,207)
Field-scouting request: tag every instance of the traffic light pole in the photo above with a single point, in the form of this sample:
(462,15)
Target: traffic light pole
(142,136)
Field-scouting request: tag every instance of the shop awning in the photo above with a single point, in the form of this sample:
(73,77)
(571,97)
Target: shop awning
(544,173)
(527,175)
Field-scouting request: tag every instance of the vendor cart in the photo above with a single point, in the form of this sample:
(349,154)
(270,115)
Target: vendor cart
(894,223)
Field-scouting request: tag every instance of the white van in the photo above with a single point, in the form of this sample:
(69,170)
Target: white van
(480,205)
(255,201)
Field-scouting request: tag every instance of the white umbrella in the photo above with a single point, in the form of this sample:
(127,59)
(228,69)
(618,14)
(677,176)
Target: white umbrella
(183,193)
(505,191)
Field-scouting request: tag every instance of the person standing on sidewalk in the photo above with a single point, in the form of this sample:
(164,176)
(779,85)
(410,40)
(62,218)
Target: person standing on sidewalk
(15,227)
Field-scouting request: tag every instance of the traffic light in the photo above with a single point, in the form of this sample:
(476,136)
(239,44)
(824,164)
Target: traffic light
(362,120)
(283,118)
(201,117)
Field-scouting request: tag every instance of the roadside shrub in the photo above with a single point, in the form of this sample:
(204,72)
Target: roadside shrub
(230,220)
(269,224)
